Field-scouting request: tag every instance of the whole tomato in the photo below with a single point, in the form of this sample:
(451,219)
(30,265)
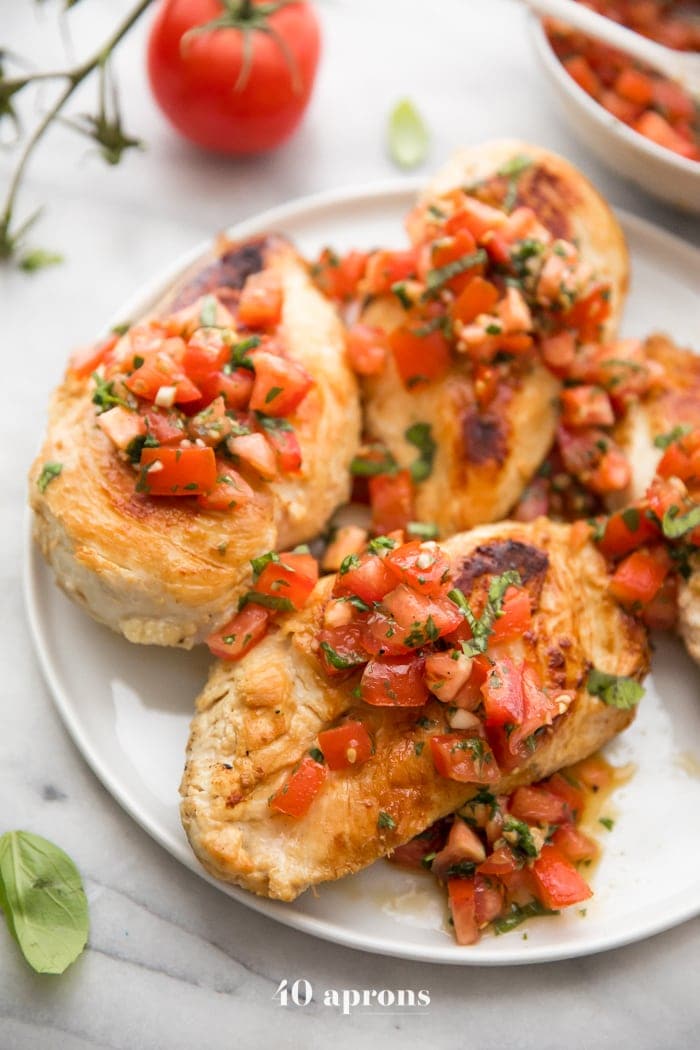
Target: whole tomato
(234,76)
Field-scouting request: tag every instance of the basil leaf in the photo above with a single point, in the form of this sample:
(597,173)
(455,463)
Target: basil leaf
(675,525)
(385,820)
(614,690)
(366,468)
(269,601)
(440,275)
(522,833)
(49,471)
(515,166)
(483,627)
(341,663)
(664,440)
(421,436)
(42,896)
(518,913)
(407,134)
(39,259)
(423,530)
(260,563)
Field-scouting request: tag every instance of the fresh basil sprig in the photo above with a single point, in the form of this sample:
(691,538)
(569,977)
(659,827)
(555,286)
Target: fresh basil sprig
(614,690)
(42,896)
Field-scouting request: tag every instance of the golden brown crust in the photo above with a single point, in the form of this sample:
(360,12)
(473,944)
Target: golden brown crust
(164,571)
(256,718)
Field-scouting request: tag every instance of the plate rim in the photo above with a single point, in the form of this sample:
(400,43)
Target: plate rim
(449,954)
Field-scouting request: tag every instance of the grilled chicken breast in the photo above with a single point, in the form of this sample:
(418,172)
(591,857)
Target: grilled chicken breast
(485,456)
(256,718)
(673,400)
(164,570)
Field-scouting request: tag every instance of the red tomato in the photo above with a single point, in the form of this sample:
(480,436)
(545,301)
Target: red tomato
(585,406)
(260,304)
(182,471)
(366,576)
(391,499)
(231,490)
(367,349)
(159,369)
(345,746)
(515,618)
(205,353)
(286,447)
(503,693)
(558,883)
(638,577)
(594,772)
(635,86)
(462,900)
(422,566)
(385,268)
(240,634)
(538,806)
(295,797)
(83,363)
(578,68)
(121,425)
(572,795)
(467,759)
(394,682)
(420,619)
(421,356)
(488,900)
(479,297)
(453,249)
(338,276)
(501,862)
(625,531)
(292,578)
(411,854)
(342,648)
(280,385)
(574,844)
(209,92)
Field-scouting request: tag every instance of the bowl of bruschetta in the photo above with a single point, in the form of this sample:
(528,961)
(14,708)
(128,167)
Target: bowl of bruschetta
(635,138)
(421,506)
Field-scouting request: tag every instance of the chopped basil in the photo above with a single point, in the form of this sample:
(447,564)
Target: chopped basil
(351,561)
(607,822)
(272,393)
(239,353)
(367,468)
(138,444)
(522,834)
(317,755)
(483,627)
(418,748)
(208,310)
(341,663)
(270,601)
(515,166)
(518,913)
(407,135)
(122,328)
(385,820)
(664,440)
(463,869)
(272,423)
(440,275)
(49,471)
(675,525)
(420,435)
(423,530)
(614,690)
(260,563)
(631,518)
(422,634)
(104,396)
(381,543)
(38,259)
(399,290)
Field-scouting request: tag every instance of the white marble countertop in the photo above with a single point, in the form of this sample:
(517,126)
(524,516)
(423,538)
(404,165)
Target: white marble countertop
(171,962)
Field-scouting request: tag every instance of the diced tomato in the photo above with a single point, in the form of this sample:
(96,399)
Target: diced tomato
(625,531)
(367,577)
(558,883)
(230,491)
(338,276)
(345,746)
(342,648)
(255,451)
(585,406)
(571,794)
(280,385)
(464,757)
(488,899)
(177,472)
(575,845)
(235,388)
(535,805)
(515,618)
(164,426)
(240,634)
(447,673)
(348,540)
(367,349)
(292,578)
(260,304)
(422,354)
(121,425)
(83,363)
(653,126)
(612,474)
(161,369)
(286,447)
(501,862)
(420,619)
(385,268)
(302,787)
(422,566)
(589,312)
(594,772)
(661,613)
(391,500)
(411,854)
(635,86)
(452,250)
(478,297)
(461,895)
(206,352)
(670,97)
(503,693)
(578,68)
(394,682)
(621,108)
(638,577)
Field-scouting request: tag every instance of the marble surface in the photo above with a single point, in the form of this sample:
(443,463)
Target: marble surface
(171,962)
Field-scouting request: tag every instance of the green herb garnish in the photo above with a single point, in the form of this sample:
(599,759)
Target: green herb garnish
(518,913)
(664,440)
(440,275)
(385,820)
(614,690)
(420,435)
(49,471)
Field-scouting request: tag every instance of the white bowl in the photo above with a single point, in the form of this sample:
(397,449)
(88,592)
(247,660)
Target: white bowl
(659,171)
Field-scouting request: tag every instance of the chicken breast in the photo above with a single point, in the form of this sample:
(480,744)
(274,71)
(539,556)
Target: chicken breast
(163,570)
(486,454)
(674,400)
(255,719)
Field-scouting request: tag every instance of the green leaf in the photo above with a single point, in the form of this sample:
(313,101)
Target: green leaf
(38,259)
(664,440)
(366,468)
(483,627)
(49,471)
(260,563)
(515,166)
(421,436)
(269,601)
(523,835)
(408,135)
(423,530)
(675,525)
(341,663)
(518,913)
(385,820)
(440,275)
(42,896)
(614,690)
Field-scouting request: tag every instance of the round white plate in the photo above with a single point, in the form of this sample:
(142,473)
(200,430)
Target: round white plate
(127,707)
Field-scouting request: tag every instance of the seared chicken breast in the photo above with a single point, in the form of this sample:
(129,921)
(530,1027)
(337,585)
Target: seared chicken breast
(489,444)
(169,570)
(256,719)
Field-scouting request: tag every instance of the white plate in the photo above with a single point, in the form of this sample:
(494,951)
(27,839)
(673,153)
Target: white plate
(128,707)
